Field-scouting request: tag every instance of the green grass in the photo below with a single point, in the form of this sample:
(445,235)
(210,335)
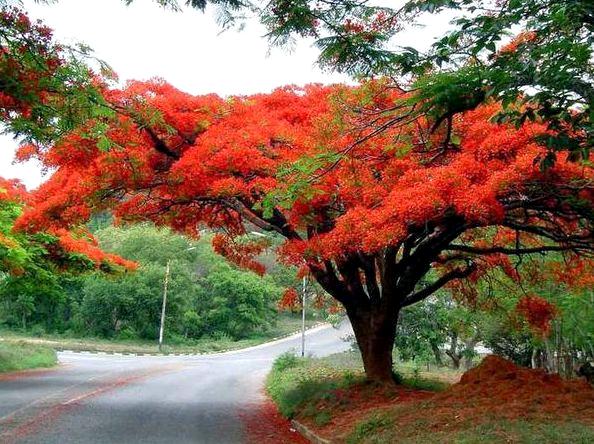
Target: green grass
(297,384)
(344,369)
(286,325)
(380,430)
(369,427)
(21,356)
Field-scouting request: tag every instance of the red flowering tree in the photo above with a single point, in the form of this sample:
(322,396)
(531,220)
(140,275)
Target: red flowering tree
(56,249)
(383,215)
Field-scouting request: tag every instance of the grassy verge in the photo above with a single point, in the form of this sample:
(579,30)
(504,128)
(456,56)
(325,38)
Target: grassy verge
(330,396)
(316,389)
(382,428)
(21,356)
(285,326)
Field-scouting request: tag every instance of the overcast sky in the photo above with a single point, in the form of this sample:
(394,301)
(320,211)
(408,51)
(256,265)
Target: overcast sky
(187,49)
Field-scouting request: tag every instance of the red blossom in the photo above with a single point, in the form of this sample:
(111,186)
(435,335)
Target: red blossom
(538,312)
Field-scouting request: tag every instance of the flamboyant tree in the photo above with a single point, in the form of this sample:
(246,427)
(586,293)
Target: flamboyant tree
(381,215)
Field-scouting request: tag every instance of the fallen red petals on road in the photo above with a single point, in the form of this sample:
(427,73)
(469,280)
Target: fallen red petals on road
(265,425)
(18,374)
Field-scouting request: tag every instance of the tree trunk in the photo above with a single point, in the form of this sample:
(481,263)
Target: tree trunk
(375,331)
(453,351)
(455,360)
(437,354)
(469,349)
(535,361)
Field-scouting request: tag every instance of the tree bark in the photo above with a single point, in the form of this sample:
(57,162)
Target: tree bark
(469,348)
(375,331)
(437,355)
(453,351)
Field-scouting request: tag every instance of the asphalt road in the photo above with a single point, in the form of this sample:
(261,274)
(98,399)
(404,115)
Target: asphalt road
(94,398)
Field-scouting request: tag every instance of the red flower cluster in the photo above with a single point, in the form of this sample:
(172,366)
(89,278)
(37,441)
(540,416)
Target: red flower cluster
(538,312)
(290,300)
(88,248)
(242,254)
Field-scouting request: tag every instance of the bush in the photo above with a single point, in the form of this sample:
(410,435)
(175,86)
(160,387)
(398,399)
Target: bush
(334,319)
(37,331)
(285,361)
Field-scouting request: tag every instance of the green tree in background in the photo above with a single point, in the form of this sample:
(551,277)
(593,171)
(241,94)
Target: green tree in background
(206,296)
(439,329)
(34,268)
(235,302)
(130,306)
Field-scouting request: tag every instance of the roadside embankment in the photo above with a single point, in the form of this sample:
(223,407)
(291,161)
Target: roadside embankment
(493,402)
(16,356)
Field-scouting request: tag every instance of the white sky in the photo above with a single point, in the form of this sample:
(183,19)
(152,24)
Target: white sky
(186,49)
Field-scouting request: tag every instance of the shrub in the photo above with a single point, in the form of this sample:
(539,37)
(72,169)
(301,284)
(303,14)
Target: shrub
(285,361)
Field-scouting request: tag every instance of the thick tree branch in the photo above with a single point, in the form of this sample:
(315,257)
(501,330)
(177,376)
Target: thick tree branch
(504,250)
(160,146)
(458,273)
(326,277)
(277,223)
(368,265)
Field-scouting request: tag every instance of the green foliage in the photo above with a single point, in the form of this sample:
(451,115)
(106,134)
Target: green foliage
(236,302)
(47,88)
(505,340)
(33,297)
(33,273)
(18,356)
(424,330)
(322,418)
(145,243)
(206,296)
(421,383)
(334,319)
(285,361)
(131,304)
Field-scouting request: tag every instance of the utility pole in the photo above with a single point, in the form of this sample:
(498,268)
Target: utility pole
(164,305)
(303,317)
(162,326)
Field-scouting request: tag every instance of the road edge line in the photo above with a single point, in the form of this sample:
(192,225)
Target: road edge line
(309,434)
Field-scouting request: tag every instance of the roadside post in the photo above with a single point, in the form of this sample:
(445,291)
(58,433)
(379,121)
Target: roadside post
(164,304)
(304,292)
(162,326)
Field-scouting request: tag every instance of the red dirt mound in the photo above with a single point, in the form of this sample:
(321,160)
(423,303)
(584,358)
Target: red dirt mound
(503,389)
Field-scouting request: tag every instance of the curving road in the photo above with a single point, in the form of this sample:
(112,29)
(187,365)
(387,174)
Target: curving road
(94,398)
